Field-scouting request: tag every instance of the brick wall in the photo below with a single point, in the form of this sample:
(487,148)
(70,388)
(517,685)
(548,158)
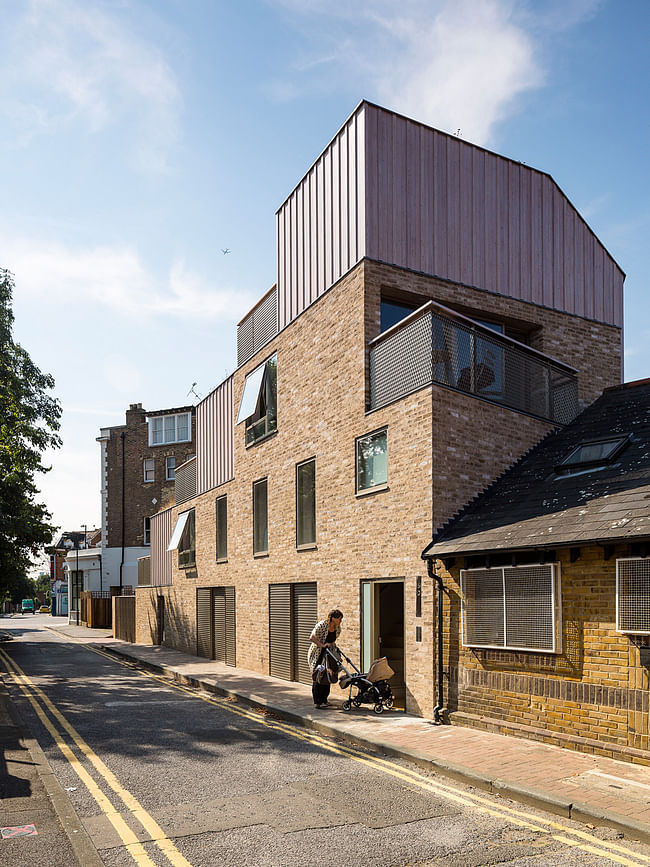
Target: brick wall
(595,690)
(321,410)
(138,493)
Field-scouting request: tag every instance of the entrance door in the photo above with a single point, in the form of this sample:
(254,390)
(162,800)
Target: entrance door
(160,620)
(382,619)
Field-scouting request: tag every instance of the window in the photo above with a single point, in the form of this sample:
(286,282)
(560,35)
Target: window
(170,429)
(392,312)
(594,454)
(515,608)
(258,405)
(372,460)
(77,585)
(170,469)
(222,529)
(633,595)
(148,466)
(183,538)
(147,531)
(260,518)
(306,503)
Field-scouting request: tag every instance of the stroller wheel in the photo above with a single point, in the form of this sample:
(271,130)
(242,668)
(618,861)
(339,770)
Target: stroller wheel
(379,707)
(347,705)
(356,702)
(388,703)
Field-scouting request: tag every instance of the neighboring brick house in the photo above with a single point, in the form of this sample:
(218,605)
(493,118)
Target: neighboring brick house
(547,588)
(438,310)
(139,461)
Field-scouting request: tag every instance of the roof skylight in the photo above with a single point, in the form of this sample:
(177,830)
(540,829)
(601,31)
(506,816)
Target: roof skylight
(592,454)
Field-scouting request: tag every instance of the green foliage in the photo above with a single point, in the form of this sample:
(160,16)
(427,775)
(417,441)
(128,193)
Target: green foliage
(29,424)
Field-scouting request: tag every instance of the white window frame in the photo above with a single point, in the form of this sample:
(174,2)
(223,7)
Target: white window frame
(178,530)
(556,596)
(146,533)
(169,478)
(162,419)
(619,628)
(149,464)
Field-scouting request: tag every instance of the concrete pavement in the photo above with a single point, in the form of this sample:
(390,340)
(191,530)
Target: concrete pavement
(587,788)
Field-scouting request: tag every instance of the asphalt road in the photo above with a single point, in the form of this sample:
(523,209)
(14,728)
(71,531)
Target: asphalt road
(160,774)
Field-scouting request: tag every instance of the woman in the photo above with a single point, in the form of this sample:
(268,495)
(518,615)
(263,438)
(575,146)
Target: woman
(323,635)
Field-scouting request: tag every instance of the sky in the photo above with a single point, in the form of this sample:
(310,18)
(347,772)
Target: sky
(140,140)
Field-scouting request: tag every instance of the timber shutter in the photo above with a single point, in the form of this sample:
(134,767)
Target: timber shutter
(292,616)
(204,622)
(215,623)
(280,631)
(305,616)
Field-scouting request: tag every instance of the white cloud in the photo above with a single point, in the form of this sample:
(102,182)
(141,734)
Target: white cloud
(456,64)
(73,61)
(116,278)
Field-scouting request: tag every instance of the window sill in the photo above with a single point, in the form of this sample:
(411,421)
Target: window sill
(312,546)
(187,566)
(260,555)
(377,489)
(222,559)
(262,439)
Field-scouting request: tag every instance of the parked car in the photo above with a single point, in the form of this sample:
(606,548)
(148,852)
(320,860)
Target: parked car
(44,609)
(27,607)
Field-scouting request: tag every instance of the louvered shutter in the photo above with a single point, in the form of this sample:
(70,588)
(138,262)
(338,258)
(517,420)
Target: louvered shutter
(305,615)
(280,631)
(219,626)
(204,622)
(230,626)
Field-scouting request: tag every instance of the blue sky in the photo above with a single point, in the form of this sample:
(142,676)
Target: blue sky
(140,139)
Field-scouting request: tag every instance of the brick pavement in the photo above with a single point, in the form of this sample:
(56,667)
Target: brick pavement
(581,786)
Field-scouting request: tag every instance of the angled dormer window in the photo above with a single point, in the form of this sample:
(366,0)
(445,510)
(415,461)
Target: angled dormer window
(258,405)
(591,455)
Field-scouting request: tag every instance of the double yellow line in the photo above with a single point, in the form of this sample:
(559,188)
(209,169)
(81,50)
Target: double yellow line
(557,831)
(39,701)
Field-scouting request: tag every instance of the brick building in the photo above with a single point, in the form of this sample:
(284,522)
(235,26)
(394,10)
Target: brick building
(438,310)
(139,461)
(546,579)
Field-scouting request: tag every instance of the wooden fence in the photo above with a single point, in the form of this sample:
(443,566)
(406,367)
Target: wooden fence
(96,609)
(124,618)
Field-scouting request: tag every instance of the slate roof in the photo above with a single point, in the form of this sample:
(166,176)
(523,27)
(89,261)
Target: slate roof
(531,506)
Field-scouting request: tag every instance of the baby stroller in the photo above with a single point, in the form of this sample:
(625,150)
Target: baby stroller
(371,688)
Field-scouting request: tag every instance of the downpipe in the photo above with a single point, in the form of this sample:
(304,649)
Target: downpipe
(437,711)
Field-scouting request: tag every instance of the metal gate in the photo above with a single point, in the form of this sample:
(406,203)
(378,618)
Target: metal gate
(215,624)
(292,616)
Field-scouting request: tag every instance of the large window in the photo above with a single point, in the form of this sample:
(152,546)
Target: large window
(222,528)
(372,460)
(260,518)
(514,608)
(633,595)
(306,503)
(165,429)
(258,407)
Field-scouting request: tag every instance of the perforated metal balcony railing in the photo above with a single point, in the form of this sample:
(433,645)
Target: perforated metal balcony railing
(438,345)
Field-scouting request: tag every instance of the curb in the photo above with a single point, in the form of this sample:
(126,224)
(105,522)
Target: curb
(72,826)
(578,812)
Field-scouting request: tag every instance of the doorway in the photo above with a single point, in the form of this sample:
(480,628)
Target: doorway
(160,620)
(382,630)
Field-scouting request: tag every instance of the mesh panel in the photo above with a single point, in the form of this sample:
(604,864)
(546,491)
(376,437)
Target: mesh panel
(185,481)
(482,591)
(633,595)
(402,363)
(435,348)
(529,607)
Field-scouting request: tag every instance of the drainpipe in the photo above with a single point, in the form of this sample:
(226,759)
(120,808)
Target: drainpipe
(122,437)
(437,716)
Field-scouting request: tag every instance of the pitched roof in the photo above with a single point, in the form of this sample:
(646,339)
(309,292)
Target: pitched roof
(532,506)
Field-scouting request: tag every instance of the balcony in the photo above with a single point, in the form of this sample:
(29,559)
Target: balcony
(438,345)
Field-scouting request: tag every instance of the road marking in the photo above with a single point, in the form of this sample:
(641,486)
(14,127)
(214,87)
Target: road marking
(133,845)
(586,842)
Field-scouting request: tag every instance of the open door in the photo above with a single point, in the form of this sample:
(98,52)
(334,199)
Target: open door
(382,620)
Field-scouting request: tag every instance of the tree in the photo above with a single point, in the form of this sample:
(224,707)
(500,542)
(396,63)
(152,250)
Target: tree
(29,424)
